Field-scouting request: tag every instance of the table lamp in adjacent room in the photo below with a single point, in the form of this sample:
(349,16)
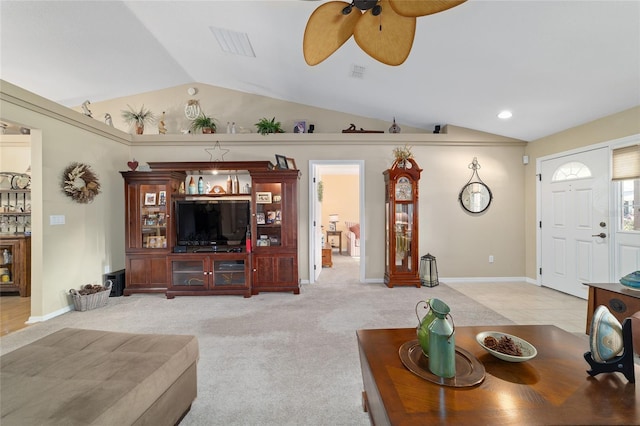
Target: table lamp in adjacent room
(333,220)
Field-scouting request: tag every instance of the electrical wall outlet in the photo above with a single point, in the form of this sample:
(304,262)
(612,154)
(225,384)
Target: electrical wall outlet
(491,259)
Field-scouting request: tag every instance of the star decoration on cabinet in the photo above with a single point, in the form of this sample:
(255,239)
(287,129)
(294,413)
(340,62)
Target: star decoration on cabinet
(217,153)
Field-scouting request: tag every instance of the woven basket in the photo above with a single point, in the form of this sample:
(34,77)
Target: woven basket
(87,302)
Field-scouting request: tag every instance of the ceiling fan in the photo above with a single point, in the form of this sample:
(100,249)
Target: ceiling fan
(384,29)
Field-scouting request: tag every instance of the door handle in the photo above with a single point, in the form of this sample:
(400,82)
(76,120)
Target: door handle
(601,235)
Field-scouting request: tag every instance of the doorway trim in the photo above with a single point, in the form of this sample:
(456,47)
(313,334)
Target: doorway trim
(314,165)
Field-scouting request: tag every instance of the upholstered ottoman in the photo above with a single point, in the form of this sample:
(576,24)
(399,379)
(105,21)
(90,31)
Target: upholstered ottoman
(90,377)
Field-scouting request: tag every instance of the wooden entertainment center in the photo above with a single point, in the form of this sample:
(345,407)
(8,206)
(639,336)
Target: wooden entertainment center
(156,263)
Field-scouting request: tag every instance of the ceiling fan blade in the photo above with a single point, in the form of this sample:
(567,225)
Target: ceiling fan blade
(387,37)
(327,30)
(417,8)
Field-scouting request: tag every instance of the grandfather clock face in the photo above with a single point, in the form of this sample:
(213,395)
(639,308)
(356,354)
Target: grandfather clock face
(404,189)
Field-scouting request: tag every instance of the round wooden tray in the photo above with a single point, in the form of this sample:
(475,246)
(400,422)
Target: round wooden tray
(469,370)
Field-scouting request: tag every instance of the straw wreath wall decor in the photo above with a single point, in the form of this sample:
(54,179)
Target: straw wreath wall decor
(80,183)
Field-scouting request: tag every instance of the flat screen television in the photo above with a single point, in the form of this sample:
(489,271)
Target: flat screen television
(212,222)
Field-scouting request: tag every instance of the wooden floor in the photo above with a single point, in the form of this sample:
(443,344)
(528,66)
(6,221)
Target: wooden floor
(14,312)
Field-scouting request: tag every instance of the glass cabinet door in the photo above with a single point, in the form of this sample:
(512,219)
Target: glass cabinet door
(153,216)
(269,214)
(403,231)
(229,273)
(189,273)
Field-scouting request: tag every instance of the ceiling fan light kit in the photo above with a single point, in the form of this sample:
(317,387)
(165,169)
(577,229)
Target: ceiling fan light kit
(384,29)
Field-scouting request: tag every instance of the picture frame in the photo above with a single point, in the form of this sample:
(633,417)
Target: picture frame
(281,162)
(260,220)
(332,226)
(278,218)
(263,197)
(271,217)
(300,127)
(150,199)
(292,164)
(156,241)
(263,243)
(162,198)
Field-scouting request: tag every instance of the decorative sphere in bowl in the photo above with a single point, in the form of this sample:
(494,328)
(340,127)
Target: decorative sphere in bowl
(631,280)
(527,349)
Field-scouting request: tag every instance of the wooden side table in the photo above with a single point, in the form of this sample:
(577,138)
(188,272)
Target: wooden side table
(621,301)
(326,256)
(335,234)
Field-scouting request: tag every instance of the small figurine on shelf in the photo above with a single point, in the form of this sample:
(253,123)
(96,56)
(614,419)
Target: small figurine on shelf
(161,127)
(85,108)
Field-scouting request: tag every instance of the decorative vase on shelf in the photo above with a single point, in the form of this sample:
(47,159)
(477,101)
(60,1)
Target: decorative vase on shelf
(394,127)
(139,128)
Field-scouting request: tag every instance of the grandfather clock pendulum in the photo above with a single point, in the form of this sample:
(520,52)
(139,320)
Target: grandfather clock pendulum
(401,223)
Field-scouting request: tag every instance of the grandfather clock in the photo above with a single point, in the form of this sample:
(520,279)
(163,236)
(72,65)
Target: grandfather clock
(401,223)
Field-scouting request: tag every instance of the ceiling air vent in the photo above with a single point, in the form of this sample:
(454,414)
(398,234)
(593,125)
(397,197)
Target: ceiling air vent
(233,42)
(357,71)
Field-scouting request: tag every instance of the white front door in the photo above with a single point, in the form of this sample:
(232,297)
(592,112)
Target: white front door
(574,221)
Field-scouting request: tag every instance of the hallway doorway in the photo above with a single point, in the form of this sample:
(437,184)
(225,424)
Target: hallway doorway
(336,206)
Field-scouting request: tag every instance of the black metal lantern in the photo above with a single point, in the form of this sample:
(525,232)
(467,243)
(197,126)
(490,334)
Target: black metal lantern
(428,271)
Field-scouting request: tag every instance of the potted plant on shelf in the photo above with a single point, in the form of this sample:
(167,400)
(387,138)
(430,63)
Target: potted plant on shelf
(138,118)
(204,123)
(266,126)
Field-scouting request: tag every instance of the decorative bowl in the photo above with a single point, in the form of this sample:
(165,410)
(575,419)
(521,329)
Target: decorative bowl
(631,280)
(605,335)
(528,350)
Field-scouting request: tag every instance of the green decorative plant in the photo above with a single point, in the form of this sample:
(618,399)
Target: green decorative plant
(204,123)
(266,126)
(138,117)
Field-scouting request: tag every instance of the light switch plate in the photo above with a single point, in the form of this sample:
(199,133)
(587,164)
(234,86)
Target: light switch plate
(56,220)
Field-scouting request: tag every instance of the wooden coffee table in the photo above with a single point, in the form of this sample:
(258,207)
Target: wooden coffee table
(553,388)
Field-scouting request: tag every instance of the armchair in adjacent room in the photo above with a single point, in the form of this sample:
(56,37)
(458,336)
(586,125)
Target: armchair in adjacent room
(353,238)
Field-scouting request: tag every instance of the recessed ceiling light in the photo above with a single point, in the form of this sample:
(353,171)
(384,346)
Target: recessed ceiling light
(505,114)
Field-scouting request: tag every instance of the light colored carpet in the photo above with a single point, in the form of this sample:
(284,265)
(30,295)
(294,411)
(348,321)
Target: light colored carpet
(275,358)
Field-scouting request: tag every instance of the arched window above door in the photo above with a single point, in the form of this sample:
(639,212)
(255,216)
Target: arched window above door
(570,171)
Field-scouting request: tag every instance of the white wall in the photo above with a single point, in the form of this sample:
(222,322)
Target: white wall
(92,239)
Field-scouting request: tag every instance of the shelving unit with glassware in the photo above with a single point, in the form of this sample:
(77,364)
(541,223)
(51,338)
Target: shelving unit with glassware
(15,211)
(15,240)
(274,231)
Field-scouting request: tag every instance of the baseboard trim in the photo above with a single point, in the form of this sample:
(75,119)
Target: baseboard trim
(35,319)
(483,279)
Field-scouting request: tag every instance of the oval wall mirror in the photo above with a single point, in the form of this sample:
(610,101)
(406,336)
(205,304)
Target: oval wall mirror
(475,197)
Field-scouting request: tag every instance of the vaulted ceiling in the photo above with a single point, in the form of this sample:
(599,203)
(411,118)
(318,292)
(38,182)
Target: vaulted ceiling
(554,64)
